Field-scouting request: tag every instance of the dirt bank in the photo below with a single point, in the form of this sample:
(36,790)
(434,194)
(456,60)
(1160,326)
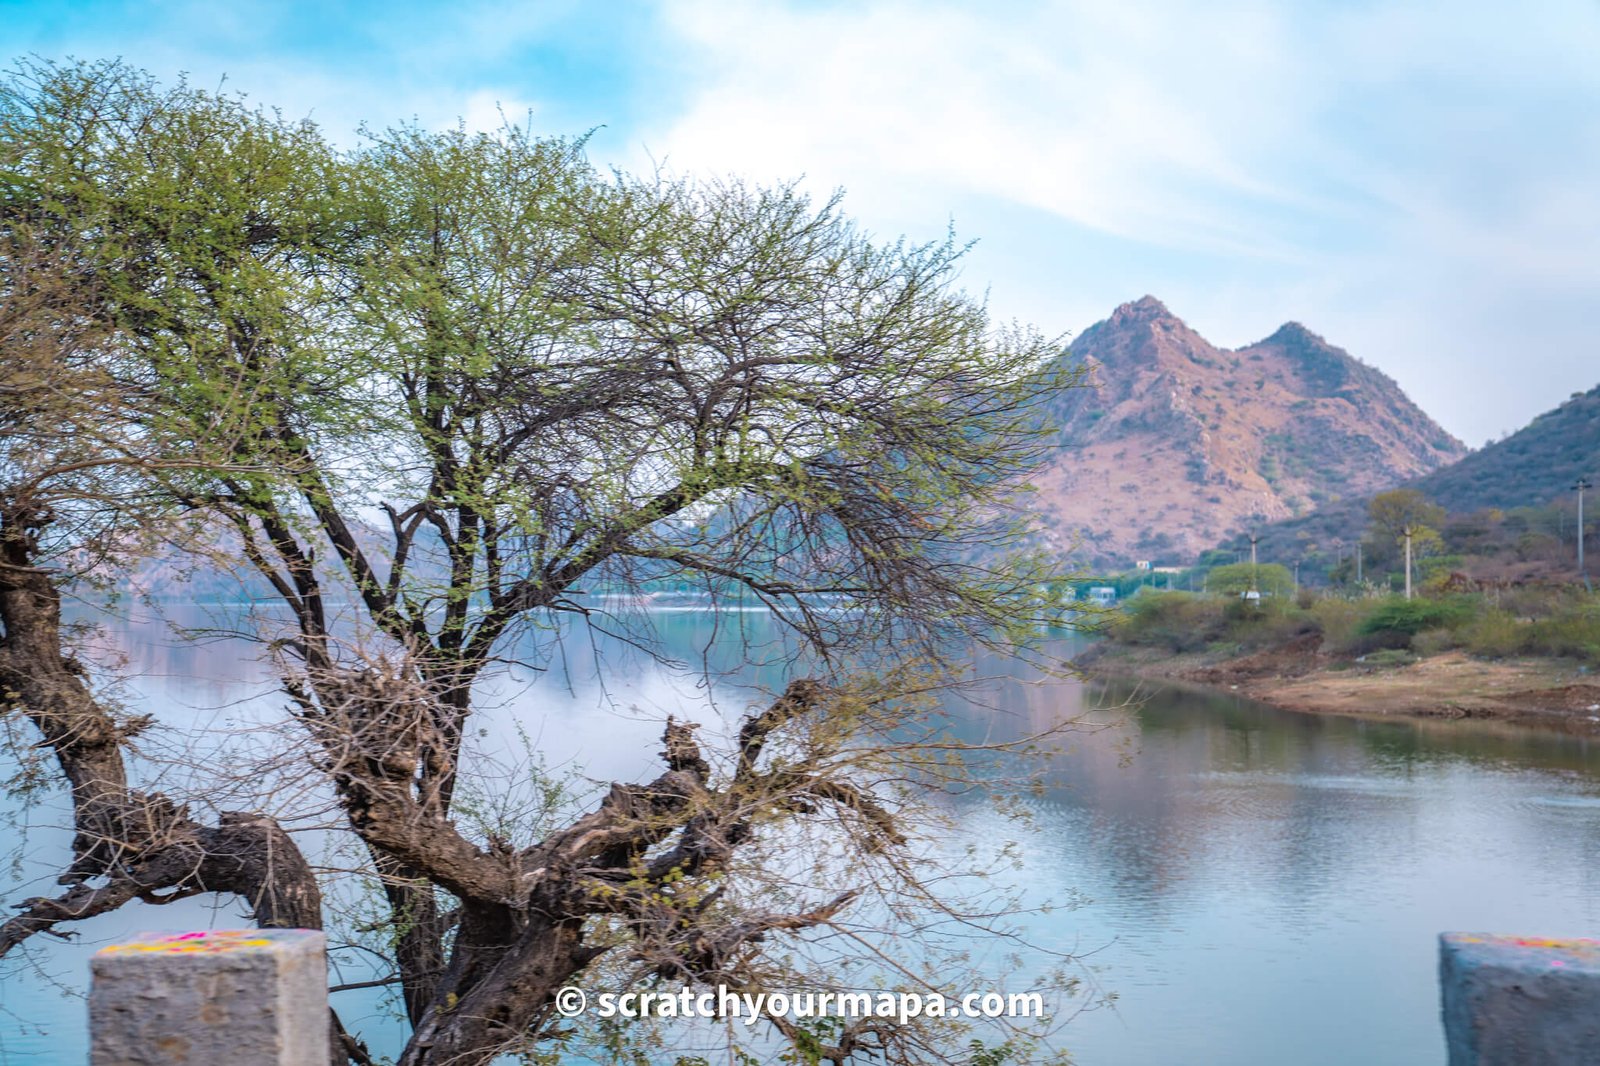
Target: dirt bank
(1544,692)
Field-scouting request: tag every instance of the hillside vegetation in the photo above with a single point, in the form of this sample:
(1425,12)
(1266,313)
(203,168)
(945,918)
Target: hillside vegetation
(1540,622)
(1512,505)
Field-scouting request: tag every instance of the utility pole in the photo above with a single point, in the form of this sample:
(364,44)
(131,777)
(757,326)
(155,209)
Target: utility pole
(1407,531)
(1583,483)
(1358,562)
(1253,539)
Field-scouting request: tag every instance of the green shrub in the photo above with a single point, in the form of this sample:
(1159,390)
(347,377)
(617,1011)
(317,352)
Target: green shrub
(1435,569)
(1268,623)
(1178,621)
(1338,619)
(1573,633)
(1531,601)
(1406,618)
(1563,622)
(1495,634)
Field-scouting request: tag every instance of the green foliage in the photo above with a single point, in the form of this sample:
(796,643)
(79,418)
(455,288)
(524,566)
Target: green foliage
(1433,571)
(1391,630)
(576,376)
(1495,634)
(1268,624)
(1573,633)
(1401,619)
(1339,620)
(1270,579)
(995,1055)
(1522,484)
(431,392)
(1185,622)
(1395,512)
(1177,621)
(1532,602)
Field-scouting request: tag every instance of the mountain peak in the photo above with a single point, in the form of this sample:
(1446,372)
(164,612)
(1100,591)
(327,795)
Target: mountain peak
(1183,440)
(1141,332)
(1294,333)
(1144,309)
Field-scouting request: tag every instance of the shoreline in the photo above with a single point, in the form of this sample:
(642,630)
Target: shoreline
(1544,693)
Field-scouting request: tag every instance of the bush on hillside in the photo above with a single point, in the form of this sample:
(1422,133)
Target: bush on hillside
(1495,634)
(1547,622)
(1339,619)
(1177,621)
(1536,601)
(1268,623)
(1572,634)
(1395,621)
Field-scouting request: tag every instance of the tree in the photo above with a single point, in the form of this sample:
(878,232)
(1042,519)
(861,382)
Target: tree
(442,392)
(1271,579)
(89,456)
(1402,516)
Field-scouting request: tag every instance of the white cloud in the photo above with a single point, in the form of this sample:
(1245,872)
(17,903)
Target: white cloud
(1092,112)
(1414,183)
(402,66)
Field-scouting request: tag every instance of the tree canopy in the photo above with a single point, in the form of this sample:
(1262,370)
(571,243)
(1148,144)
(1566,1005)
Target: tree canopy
(1272,579)
(1400,513)
(433,396)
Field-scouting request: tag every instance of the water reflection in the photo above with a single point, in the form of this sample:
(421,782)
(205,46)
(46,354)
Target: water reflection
(1265,887)
(1269,885)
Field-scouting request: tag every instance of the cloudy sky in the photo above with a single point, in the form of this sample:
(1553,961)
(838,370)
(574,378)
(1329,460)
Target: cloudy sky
(1418,182)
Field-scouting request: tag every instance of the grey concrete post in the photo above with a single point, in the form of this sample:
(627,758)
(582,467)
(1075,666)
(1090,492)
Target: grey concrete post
(1520,1001)
(235,997)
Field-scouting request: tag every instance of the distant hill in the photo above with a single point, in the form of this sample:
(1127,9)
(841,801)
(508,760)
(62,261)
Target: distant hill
(1531,468)
(1184,442)
(1538,463)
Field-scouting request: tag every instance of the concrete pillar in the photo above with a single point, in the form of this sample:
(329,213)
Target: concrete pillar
(223,997)
(1520,1001)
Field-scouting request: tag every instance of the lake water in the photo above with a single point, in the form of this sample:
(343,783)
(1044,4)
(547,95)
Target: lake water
(1262,887)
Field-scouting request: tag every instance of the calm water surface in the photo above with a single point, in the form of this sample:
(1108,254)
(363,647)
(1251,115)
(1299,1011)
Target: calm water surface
(1263,888)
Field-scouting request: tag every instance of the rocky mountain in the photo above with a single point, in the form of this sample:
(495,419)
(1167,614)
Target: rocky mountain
(1181,442)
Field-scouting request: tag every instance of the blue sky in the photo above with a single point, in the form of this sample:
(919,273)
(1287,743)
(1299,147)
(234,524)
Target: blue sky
(1418,182)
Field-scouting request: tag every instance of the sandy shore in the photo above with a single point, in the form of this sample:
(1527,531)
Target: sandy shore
(1544,692)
